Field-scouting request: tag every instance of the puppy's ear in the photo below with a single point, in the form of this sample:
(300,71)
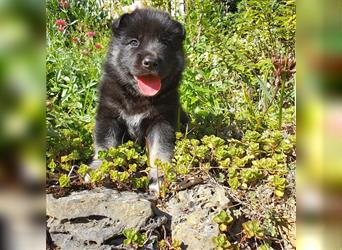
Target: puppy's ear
(179,30)
(120,22)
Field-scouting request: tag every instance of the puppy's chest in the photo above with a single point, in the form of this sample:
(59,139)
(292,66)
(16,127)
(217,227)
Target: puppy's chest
(133,121)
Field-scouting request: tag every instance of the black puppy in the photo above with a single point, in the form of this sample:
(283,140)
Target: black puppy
(139,97)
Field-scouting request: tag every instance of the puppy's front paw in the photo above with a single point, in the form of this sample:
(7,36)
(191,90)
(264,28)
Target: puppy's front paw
(86,178)
(155,185)
(96,163)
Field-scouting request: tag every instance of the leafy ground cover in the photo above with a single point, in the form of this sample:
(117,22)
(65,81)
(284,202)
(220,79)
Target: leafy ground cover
(238,88)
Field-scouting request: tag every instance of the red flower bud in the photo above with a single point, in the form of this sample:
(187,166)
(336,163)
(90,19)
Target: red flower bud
(98,46)
(61,22)
(91,33)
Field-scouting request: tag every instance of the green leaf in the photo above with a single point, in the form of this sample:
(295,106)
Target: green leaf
(223,217)
(83,170)
(252,229)
(64,181)
(234,183)
(221,241)
(52,166)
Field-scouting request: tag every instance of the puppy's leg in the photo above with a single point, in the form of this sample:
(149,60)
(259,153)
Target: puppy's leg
(108,133)
(160,142)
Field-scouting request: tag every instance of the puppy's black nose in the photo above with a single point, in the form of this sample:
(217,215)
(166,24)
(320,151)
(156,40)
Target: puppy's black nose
(150,62)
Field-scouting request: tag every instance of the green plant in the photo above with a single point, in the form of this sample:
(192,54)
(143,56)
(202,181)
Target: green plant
(134,238)
(253,229)
(83,170)
(279,184)
(223,219)
(174,245)
(221,242)
(64,181)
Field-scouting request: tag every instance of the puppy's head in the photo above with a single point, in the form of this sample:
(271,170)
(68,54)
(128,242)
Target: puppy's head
(147,50)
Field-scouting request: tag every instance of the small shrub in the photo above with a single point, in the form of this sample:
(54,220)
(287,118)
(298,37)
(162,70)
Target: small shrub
(64,181)
(134,238)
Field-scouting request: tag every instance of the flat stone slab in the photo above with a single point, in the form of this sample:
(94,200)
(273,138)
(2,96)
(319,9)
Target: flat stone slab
(192,213)
(87,219)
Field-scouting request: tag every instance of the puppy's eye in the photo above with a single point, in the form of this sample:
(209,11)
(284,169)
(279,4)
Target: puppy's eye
(134,43)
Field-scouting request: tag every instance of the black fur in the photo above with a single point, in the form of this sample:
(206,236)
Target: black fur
(123,112)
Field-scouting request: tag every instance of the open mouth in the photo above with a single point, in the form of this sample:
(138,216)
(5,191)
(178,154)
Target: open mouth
(149,85)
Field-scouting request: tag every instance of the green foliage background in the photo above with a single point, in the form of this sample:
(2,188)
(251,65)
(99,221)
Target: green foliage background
(238,88)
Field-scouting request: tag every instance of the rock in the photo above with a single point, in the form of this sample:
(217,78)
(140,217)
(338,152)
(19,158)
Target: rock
(192,213)
(95,219)
(101,202)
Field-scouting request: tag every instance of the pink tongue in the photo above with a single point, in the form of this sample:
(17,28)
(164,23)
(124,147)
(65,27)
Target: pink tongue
(149,85)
